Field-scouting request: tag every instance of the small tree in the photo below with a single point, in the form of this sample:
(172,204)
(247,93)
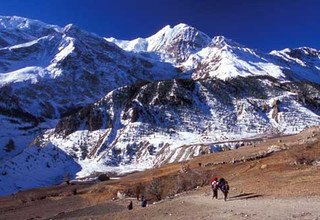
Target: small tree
(191,179)
(138,190)
(154,189)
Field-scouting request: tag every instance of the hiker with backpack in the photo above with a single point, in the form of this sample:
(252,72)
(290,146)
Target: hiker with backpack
(215,187)
(143,202)
(224,187)
(130,206)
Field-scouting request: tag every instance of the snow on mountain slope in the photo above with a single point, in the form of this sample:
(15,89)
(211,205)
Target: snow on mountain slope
(302,63)
(47,72)
(17,133)
(136,45)
(142,126)
(17,30)
(191,50)
(173,44)
(36,167)
(225,59)
(73,68)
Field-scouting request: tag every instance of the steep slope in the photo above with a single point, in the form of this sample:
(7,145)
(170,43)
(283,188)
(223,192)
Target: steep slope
(301,63)
(83,61)
(17,30)
(51,72)
(148,125)
(36,167)
(225,59)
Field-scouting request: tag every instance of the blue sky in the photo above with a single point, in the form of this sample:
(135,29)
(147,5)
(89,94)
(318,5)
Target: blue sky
(261,24)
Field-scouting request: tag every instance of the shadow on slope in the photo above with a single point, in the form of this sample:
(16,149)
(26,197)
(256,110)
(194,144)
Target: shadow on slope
(36,167)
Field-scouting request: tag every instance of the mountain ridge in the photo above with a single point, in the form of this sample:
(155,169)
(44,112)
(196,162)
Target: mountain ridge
(231,54)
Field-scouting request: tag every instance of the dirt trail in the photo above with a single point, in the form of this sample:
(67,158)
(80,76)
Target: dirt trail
(199,205)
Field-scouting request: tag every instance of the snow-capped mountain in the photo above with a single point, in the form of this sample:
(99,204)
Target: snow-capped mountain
(173,44)
(70,61)
(222,58)
(73,103)
(52,71)
(17,30)
(148,125)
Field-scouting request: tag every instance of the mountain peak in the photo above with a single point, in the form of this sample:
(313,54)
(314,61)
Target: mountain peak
(176,27)
(182,26)
(69,26)
(297,54)
(18,30)
(180,40)
(71,29)
(221,41)
(16,22)
(173,43)
(307,51)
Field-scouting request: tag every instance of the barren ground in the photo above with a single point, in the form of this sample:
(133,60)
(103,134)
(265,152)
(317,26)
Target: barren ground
(199,205)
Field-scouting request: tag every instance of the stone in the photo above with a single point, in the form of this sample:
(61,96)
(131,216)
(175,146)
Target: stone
(121,195)
(264,166)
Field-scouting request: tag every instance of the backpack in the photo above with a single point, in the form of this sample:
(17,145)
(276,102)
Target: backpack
(225,187)
(215,185)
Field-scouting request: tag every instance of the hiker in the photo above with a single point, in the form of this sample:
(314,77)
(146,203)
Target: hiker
(215,186)
(221,182)
(224,186)
(143,202)
(130,206)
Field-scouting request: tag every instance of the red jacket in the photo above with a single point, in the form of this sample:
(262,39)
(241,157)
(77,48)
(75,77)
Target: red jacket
(213,179)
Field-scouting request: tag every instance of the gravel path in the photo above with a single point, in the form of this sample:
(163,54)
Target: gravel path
(197,205)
